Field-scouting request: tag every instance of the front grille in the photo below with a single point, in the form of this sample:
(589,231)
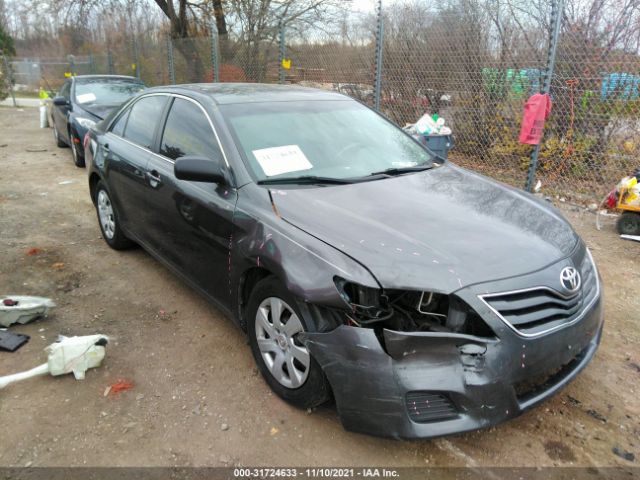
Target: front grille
(424,407)
(540,309)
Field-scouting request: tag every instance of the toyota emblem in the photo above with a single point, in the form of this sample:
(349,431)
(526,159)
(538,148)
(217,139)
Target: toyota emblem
(570,279)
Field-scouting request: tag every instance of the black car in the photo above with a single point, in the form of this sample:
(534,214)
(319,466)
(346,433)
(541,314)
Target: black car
(84,100)
(424,298)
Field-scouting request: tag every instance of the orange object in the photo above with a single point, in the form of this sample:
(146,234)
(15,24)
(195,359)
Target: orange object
(34,251)
(536,111)
(121,386)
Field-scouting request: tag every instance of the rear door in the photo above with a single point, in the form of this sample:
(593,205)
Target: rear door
(127,150)
(192,221)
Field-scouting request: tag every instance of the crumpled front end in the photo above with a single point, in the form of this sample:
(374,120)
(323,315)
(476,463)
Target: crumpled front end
(425,384)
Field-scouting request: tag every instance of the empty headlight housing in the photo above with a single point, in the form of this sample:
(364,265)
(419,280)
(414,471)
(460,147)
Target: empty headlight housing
(408,310)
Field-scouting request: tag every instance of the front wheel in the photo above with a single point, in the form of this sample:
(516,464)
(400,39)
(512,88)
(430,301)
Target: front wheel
(78,159)
(108,220)
(56,136)
(274,326)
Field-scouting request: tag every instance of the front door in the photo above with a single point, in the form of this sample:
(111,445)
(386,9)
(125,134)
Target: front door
(192,221)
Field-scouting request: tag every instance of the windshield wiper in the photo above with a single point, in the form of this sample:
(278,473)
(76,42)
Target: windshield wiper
(401,170)
(305,180)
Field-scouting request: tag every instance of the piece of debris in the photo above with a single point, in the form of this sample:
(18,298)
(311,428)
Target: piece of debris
(34,251)
(622,453)
(274,431)
(23,309)
(106,391)
(10,342)
(573,401)
(635,238)
(68,355)
(121,386)
(35,149)
(596,415)
(4,145)
(224,427)
(66,182)
(57,265)
(538,186)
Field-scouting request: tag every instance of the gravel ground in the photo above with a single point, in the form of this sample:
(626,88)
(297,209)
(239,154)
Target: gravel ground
(197,398)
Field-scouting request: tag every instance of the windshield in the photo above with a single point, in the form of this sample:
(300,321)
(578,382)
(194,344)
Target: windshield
(330,139)
(101,91)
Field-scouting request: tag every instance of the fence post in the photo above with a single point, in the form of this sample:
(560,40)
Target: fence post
(377,85)
(9,78)
(110,62)
(215,57)
(281,52)
(555,23)
(136,58)
(172,69)
(72,64)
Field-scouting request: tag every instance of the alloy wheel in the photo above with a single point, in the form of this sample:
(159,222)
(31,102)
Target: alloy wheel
(277,327)
(105,213)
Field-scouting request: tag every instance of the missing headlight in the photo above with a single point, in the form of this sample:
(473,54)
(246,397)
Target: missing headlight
(408,311)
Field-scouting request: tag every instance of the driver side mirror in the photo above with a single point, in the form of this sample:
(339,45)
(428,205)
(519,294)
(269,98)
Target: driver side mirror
(199,169)
(60,101)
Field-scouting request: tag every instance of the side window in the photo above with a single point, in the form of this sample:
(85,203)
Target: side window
(65,91)
(143,116)
(188,132)
(118,127)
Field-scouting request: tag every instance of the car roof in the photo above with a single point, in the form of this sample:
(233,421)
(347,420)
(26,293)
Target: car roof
(105,77)
(228,93)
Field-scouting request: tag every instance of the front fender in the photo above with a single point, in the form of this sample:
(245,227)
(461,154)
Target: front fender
(307,266)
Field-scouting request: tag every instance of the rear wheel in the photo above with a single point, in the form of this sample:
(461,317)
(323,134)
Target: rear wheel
(284,361)
(629,223)
(108,220)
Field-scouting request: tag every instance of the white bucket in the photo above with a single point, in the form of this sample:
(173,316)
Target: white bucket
(44,121)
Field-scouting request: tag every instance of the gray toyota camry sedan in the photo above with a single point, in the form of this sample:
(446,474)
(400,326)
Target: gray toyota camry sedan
(423,298)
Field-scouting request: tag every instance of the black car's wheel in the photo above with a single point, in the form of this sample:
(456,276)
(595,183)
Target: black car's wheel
(78,159)
(284,361)
(108,220)
(629,223)
(56,136)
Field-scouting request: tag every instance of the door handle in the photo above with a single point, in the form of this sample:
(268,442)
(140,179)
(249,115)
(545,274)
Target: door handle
(105,148)
(154,178)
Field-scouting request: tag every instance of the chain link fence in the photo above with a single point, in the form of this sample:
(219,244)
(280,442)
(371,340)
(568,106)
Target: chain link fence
(474,64)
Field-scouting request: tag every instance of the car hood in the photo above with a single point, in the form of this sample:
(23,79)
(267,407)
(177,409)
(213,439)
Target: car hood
(441,229)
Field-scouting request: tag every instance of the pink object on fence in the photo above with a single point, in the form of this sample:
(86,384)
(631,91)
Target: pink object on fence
(536,111)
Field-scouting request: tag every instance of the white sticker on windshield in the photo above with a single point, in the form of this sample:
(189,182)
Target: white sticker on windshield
(278,160)
(86,97)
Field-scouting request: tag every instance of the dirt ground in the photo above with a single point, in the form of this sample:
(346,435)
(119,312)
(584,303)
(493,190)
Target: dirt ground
(197,398)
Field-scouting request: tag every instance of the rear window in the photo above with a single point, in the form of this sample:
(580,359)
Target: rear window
(143,115)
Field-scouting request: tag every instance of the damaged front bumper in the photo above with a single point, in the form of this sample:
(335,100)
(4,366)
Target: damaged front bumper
(427,384)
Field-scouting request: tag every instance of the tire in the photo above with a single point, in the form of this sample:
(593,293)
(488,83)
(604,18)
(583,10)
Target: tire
(56,136)
(629,223)
(108,220)
(78,160)
(274,350)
